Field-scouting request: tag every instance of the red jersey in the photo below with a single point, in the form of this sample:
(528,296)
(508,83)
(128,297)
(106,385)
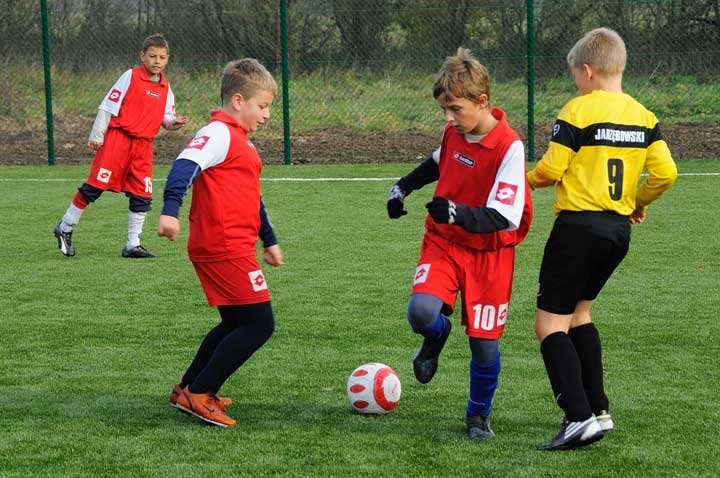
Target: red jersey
(488,173)
(138,105)
(225,210)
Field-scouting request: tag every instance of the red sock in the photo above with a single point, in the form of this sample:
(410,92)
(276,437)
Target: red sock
(79,201)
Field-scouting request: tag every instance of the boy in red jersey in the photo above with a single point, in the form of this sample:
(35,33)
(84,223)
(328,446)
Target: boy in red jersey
(226,217)
(128,119)
(601,142)
(480,210)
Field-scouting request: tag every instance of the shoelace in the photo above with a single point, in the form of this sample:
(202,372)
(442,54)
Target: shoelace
(217,401)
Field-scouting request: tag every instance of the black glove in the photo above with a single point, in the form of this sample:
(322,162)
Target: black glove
(395,204)
(442,210)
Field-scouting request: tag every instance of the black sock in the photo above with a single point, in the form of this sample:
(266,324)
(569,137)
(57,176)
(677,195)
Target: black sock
(207,347)
(563,369)
(253,326)
(586,340)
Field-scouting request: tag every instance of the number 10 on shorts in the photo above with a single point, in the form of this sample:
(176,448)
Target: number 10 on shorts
(488,317)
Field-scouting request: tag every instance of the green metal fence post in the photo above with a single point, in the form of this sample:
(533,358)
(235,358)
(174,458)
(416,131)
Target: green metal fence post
(285,76)
(531,79)
(48,82)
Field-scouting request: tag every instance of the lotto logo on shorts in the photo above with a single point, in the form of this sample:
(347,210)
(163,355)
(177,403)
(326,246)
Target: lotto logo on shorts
(115,95)
(198,142)
(421,273)
(257,279)
(104,175)
(506,193)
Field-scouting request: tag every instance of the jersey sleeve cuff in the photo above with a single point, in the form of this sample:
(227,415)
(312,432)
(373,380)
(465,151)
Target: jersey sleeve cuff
(171,207)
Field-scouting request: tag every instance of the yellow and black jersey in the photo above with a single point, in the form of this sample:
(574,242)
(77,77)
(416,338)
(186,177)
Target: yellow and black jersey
(600,144)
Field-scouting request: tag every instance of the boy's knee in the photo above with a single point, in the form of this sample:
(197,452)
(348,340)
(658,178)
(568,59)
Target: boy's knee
(422,310)
(90,193)
(484,350)
(263,321)
(139,204)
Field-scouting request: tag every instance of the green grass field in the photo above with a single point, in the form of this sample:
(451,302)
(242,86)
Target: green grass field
(90,346)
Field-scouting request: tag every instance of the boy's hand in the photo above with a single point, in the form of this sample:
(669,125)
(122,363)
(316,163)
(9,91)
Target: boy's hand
(396,204)
(94,145)
(169,227)
(443,211)
(637,217)
(179,122)
(273,255)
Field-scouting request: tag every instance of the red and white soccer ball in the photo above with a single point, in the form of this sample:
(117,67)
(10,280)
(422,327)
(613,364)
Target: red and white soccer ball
(373,388)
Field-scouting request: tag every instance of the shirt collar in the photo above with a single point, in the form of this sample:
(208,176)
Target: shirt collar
(142,71)
(220,115)
(498,132)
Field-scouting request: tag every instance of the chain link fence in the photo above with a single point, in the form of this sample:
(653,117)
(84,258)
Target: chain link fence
(359,72)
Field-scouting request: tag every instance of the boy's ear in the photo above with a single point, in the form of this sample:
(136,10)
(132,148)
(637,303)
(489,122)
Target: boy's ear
(237,101)
(482,101)
(588,71)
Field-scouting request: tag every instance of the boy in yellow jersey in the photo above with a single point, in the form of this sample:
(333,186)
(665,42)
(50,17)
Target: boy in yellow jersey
(600,144)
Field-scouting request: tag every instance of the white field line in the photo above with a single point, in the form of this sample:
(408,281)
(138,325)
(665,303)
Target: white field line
(61,180)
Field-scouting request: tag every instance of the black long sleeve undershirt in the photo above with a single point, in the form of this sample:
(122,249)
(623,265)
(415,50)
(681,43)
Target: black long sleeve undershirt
(425,173)
(479,219)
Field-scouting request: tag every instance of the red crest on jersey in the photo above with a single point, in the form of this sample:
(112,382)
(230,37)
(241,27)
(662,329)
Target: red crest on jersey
(114,95)
(506,193)
(198,142)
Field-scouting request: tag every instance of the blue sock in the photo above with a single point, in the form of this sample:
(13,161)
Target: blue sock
(483,382)
(434,330)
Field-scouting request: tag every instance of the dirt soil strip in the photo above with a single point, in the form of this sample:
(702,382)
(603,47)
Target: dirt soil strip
(27,145)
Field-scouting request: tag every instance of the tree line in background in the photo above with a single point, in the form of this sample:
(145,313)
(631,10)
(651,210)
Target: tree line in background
(365,34)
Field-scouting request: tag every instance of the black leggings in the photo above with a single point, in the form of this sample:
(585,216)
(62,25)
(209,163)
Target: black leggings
(242,330)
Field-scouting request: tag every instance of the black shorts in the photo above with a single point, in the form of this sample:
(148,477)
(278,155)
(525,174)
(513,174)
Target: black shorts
(583,250)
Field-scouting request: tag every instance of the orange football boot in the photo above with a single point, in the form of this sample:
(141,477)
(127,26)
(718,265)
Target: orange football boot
(206,406)
(176,391)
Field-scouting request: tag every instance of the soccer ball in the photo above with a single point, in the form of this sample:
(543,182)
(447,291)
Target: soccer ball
(373,388)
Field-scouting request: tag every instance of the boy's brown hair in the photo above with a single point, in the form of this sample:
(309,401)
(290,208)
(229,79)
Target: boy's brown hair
(157,40)
(602,49)
(462,76)
(246,77)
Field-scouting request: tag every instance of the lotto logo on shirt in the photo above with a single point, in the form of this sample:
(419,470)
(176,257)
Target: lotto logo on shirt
(257,279)
(464,159)
(115,95)
(506,193)
(198,142)
(421,273)
(104,175)
(152,93)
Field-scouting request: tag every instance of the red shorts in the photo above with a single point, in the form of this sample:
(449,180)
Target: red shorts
(123,164)
(483,278)
(233,282)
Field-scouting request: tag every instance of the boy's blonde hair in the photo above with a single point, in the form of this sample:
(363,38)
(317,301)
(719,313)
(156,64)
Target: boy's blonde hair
(602,49)
(462,76)
(247,77)
(157,40)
